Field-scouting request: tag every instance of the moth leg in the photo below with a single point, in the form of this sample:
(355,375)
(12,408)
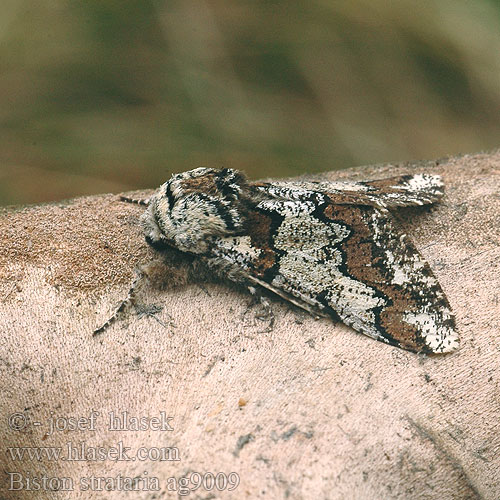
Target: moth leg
(313,311)
(267,312)
(127,302)
(136,201)
(151,311)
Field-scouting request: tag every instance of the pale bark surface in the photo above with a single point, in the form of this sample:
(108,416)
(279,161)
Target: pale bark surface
(325,412)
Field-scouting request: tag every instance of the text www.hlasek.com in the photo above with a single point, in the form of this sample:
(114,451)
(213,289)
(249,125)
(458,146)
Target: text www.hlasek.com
(75,452)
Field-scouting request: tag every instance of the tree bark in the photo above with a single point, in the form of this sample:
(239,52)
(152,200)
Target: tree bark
(305,409)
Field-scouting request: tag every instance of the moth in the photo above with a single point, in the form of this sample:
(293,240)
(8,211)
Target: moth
(331,248)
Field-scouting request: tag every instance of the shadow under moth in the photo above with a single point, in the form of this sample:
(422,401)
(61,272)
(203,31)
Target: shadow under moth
(331,248)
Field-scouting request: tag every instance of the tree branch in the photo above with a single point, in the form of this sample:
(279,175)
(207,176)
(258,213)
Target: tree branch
(310,409)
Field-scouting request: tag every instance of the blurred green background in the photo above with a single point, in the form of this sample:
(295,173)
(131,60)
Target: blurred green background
(113,95)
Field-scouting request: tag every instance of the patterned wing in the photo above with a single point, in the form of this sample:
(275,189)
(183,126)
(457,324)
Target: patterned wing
(403,190)
(347,260)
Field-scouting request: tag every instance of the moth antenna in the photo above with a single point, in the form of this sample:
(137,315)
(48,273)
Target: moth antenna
(128,301)
(136,201)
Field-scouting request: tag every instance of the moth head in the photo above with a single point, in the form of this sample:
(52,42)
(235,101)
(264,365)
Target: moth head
(194,208)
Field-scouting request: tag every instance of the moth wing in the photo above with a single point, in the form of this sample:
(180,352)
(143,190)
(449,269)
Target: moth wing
(348,261)
(399,191)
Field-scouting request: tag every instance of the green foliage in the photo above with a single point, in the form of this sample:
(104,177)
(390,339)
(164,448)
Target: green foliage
(108,95)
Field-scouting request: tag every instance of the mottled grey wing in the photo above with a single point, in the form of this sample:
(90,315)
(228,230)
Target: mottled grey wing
(392,192)
(349,261)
